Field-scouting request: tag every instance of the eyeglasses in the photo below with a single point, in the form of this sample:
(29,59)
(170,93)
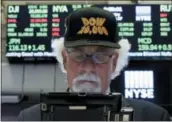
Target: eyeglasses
(97,57)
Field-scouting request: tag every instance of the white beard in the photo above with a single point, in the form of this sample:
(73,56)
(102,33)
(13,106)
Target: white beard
(94,87)
(85,87)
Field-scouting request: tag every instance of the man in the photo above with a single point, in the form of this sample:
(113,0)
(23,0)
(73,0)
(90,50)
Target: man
(91,55)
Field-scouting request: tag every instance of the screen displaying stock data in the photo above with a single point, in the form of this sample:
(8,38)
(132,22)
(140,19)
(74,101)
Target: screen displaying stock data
(31,29)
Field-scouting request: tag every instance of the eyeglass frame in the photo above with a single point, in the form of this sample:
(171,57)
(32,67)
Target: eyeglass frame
(86,56)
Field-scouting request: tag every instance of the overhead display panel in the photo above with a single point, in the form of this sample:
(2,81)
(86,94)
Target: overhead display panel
(32,28)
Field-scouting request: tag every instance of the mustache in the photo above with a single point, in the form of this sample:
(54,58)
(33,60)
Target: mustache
(88,77)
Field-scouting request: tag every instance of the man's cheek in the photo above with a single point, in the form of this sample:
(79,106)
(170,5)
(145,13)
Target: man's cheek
(102,73)
(70,63)
(72,69)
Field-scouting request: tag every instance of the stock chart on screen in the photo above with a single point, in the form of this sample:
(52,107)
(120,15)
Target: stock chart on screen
(31,29)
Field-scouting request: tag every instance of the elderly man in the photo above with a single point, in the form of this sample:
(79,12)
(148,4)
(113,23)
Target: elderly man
(91,55)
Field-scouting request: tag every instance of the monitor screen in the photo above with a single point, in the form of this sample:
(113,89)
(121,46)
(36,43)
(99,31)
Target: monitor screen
(32,28)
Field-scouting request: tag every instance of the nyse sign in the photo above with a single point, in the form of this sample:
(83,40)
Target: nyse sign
(139,84)
(139,93)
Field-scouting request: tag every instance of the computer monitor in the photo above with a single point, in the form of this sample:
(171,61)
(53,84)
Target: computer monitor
(79,106)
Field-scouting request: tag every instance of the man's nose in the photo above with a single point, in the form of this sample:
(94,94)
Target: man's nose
(88,65)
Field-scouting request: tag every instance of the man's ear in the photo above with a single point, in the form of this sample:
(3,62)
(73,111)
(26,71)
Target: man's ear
(64,56)
(115,59)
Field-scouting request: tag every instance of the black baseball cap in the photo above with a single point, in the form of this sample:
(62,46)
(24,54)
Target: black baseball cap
(91,26)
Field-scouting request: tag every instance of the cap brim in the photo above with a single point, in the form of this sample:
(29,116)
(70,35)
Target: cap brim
(70,44)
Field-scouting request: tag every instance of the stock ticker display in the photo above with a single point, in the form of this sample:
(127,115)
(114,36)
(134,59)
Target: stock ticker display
(32,28)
